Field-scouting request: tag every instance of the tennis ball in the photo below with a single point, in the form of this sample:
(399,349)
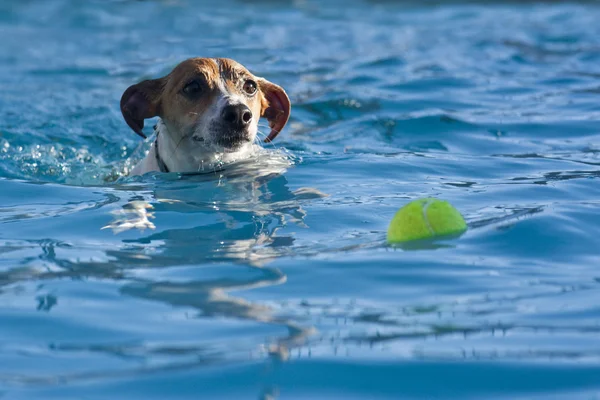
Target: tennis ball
(423,219)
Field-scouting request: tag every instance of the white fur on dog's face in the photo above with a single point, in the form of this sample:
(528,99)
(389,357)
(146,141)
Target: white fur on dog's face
(193,101)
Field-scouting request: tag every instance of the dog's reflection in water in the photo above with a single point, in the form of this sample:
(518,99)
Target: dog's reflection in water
(213,298)
(242,220)
(232,226)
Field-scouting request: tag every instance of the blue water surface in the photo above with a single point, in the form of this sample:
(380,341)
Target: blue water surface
(272,279)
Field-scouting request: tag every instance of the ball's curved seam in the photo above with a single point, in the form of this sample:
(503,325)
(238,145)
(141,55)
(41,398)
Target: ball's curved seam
(425,218)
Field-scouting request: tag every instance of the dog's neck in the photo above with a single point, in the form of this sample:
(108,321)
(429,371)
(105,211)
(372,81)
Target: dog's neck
(186,155)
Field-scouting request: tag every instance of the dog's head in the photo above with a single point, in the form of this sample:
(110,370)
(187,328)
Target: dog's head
(214,102)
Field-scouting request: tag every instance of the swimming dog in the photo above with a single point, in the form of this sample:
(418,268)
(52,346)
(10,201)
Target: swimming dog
(208,111)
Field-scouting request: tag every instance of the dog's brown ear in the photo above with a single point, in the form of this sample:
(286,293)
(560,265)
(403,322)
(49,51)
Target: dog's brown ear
(277,108)
(141,101)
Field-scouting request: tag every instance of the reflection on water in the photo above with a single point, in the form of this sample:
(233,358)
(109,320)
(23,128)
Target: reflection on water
(236,214)
(134,214)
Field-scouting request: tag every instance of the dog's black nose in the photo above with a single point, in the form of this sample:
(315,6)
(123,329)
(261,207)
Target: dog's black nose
(237,115)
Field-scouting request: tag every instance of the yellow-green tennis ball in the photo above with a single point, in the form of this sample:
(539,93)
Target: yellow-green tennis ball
(423,219)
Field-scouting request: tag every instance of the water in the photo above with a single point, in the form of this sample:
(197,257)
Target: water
(272,279)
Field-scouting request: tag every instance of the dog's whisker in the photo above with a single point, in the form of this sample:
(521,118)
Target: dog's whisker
(261,135)
(264,136)
(257,140)
(177,146)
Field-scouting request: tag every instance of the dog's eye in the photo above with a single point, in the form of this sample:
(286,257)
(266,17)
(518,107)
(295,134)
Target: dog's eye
(192,88)
(250,87)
